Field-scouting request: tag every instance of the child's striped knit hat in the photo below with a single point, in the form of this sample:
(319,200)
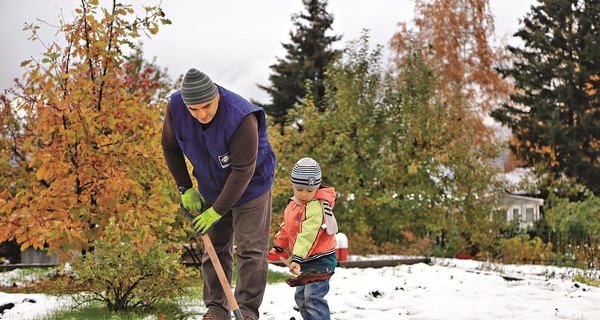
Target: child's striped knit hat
(306,174)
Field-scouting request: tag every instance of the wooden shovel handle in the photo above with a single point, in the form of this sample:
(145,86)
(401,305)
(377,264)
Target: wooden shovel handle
(221,275)
(218,269)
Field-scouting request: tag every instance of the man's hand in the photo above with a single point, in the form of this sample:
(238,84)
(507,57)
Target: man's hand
(192,200)
(204,221)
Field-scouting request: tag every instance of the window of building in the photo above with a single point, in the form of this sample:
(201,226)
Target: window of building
(516,214)
(528,214)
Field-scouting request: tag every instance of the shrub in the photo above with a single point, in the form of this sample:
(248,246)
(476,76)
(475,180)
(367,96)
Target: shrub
(523,249)
(411,245)
(587,256)
(588,277)
(129,270)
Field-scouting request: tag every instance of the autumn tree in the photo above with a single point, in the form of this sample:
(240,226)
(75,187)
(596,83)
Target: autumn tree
(13,163)
(88,146)
(555,111)
(443,186)
(143,76)
(307,56)
(455,39)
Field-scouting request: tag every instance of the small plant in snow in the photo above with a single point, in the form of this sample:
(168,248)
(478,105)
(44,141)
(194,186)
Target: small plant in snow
(128,270)
(549,275)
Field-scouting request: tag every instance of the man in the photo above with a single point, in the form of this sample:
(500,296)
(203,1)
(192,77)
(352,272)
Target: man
(225,139)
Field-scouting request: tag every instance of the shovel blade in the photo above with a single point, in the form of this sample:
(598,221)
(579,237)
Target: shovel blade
(309,277)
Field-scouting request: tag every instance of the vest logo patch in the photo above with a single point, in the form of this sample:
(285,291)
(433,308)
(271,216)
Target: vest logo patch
(225,160)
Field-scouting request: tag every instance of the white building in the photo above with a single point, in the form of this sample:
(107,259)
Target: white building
(522,209)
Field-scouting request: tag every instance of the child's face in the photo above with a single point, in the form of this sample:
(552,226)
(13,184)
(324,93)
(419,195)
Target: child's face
(304,195)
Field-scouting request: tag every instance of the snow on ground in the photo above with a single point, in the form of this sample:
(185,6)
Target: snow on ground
(446,289)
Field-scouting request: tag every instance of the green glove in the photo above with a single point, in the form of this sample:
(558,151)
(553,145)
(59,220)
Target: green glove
(204,221)
(192,200)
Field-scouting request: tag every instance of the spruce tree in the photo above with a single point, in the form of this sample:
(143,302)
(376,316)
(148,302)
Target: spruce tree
(308,54)
(555,110)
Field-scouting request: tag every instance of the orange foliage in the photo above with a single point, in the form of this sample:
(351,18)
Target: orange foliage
(90,142)
(455,38)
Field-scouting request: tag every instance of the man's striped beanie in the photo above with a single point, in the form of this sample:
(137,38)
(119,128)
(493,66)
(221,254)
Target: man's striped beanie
(197,88)
(306,174)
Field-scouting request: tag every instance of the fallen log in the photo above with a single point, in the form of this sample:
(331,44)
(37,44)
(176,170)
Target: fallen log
(375,263)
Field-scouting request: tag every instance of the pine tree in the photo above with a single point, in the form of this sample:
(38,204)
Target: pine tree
(308,54)
(555,111)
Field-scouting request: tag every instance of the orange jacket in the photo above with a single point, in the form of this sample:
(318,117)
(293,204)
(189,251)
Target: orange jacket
(303,228)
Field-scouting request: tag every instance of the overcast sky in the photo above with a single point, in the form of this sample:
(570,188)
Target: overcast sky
(233,41)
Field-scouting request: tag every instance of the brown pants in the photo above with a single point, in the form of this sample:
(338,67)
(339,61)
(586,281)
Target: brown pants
(247,226)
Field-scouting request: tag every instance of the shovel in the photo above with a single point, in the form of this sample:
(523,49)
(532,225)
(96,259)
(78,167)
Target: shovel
(218,269)
(307,277)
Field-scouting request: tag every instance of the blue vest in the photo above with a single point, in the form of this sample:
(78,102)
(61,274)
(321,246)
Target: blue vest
(208,150)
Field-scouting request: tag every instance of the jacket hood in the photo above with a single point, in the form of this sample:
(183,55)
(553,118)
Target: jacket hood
(328,194)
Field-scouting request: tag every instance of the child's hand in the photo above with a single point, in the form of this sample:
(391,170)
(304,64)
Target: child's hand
(295,268)
(275,255)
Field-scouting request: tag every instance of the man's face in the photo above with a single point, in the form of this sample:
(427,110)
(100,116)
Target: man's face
(206,111)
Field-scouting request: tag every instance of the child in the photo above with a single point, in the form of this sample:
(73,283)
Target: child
(308,232)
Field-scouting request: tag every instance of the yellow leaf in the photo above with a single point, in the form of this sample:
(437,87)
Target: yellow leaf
(100,44)
(413,168)
(153,29)
(41,173)
(24,246)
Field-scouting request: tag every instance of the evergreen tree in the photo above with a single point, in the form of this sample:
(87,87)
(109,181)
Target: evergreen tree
(555,111)
(308,55)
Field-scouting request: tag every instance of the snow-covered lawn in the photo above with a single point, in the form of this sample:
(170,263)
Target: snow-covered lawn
(447,289)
